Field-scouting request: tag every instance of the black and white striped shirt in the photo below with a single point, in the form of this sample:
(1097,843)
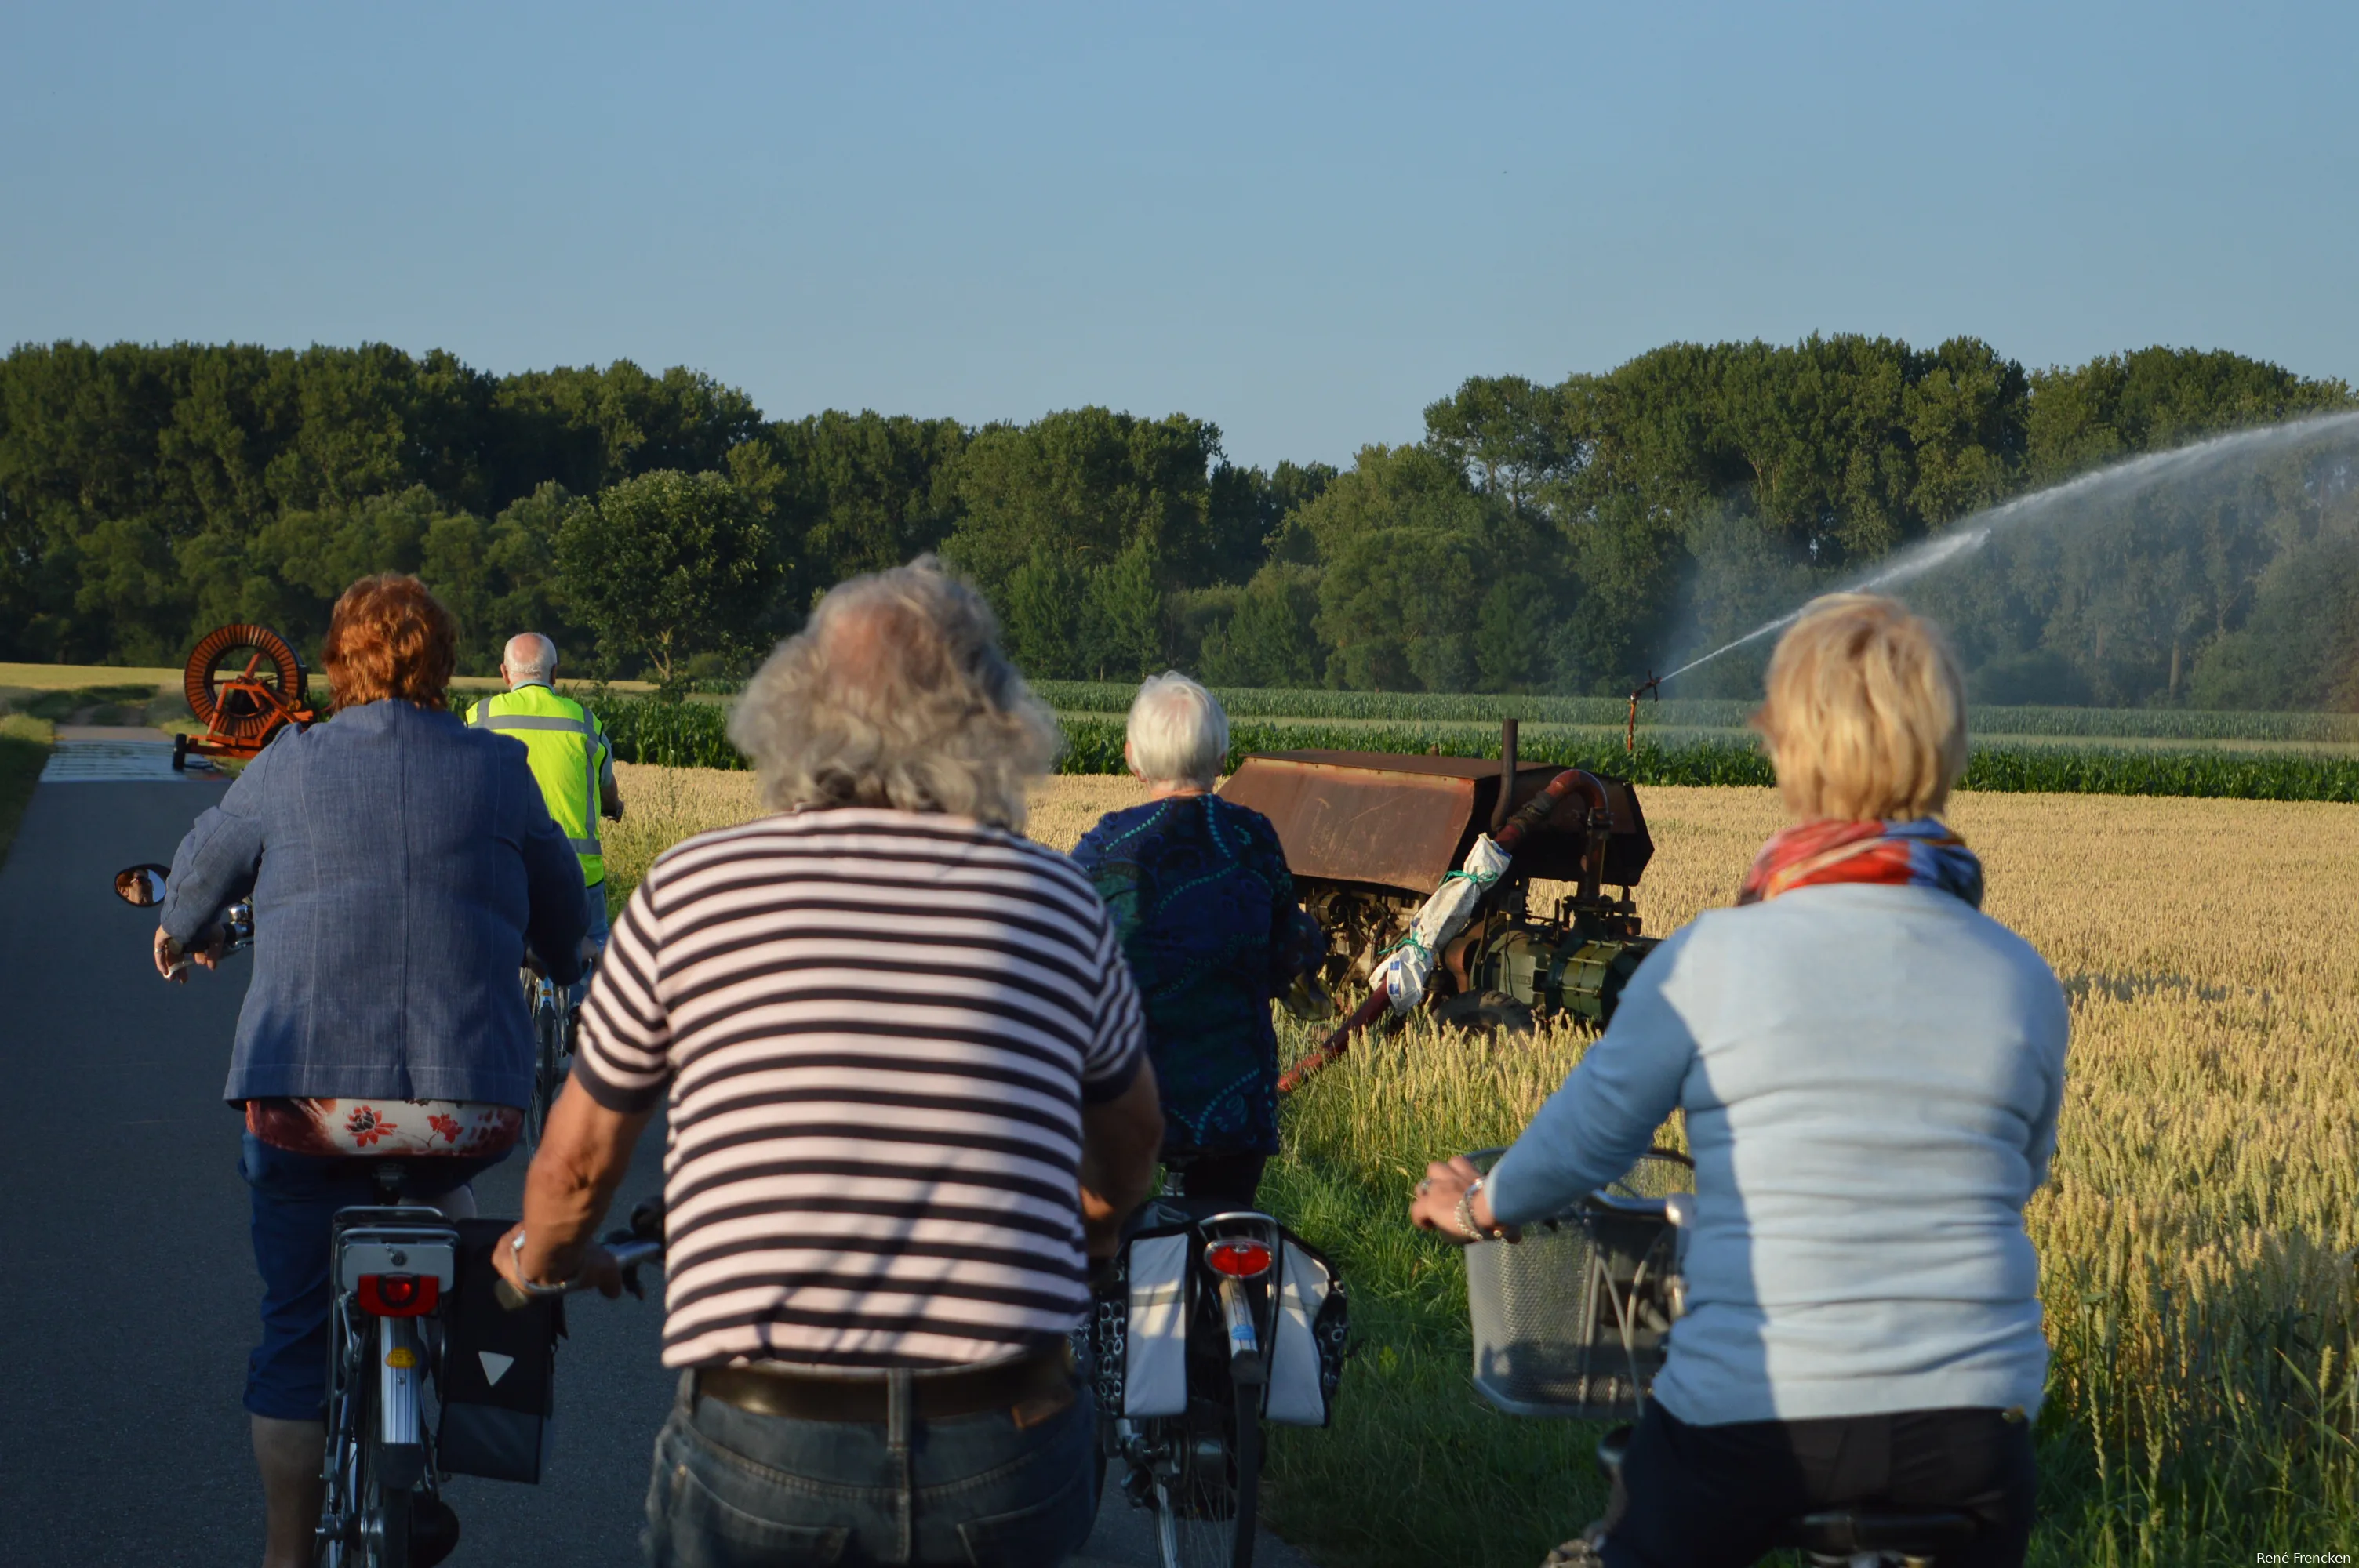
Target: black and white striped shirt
(878,1030)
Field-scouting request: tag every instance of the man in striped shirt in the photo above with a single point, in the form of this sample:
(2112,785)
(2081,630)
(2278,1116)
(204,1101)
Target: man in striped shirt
(909,1101)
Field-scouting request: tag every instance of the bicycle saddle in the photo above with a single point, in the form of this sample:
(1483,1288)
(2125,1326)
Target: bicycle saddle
(1840,1532)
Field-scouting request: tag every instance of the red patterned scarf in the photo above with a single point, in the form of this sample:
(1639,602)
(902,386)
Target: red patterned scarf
(1923,853)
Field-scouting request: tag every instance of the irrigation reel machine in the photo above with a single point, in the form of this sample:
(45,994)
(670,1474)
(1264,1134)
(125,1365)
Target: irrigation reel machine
(245,684)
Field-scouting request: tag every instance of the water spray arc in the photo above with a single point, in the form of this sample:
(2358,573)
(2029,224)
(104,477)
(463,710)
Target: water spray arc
(2119,481)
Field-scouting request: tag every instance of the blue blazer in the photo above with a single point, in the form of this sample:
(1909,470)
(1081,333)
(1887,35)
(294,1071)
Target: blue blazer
(398,863)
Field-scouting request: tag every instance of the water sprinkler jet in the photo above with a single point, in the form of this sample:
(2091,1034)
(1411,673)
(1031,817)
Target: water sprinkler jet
(1653,682)
(2129,477)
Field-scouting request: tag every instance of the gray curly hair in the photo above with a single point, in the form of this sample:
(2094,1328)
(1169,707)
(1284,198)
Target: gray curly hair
(896,694)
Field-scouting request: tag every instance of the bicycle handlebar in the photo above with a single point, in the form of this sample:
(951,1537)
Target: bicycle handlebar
(630,1254)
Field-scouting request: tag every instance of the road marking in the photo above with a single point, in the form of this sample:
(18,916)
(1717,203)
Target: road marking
(111,762)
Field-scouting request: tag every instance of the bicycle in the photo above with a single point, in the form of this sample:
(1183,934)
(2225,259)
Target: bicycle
(1212,1324)
(1574,1320)
(552,1046)
(394,1269)
(392,1265)
(555,1018)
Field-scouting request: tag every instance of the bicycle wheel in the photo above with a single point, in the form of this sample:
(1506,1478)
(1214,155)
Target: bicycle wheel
(548,1029)
(372,1517)
(337,1533)
(1205,1513)
(388,1512)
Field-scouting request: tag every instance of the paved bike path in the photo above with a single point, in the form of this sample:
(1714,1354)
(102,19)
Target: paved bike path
(127,1293)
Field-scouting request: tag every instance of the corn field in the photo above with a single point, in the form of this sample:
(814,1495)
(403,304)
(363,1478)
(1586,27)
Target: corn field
(1713,713)
(695,734)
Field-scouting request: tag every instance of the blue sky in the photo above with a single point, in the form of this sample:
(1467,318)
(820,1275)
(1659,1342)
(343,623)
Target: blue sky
(1302,223)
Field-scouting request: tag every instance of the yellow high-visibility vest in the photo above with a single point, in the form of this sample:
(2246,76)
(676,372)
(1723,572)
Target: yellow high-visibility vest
(569,759)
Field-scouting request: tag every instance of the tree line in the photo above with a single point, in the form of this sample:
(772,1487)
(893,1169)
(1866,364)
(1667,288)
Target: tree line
(1562,537)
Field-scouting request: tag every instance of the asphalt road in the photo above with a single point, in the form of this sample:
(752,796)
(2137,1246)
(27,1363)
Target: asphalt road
(128,1291)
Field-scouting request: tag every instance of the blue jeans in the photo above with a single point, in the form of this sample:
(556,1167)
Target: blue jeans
(732,1487)
(296,1198)
(597,934)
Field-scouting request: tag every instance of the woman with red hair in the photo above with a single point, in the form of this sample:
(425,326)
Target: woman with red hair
(400,864)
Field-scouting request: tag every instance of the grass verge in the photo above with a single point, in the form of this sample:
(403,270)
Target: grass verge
(24,748)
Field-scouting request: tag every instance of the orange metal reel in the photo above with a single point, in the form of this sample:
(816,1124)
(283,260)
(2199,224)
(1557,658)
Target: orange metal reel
(244,682)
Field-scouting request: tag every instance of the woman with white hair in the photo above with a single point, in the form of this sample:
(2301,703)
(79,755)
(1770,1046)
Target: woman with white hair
(1205,909)
(1871,1069)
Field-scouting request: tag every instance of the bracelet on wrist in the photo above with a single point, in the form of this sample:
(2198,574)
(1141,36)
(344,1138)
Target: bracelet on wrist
(525,1282)
(1466,1215)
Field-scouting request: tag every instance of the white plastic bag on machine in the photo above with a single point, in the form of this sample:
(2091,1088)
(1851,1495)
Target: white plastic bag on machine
(1295,1395)
(1154,1343)
(1405,971)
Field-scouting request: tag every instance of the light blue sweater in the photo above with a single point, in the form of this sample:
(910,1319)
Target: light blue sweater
(1871,1078)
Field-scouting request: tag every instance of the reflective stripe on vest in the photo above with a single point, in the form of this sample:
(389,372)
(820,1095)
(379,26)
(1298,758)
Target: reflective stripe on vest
(480,719)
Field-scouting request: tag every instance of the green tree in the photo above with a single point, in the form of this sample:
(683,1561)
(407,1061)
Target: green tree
(1510,642)
(1405,544)
(1040,615)
(1509,434)
(865,491)
(1123,616)
(1270,637)
(667,565)
(1086,483)
(1249,510)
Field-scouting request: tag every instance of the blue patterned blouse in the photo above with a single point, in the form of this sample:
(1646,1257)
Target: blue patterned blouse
(1205,911)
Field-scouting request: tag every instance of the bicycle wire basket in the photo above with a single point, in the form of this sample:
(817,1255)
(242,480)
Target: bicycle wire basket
(1572,1320)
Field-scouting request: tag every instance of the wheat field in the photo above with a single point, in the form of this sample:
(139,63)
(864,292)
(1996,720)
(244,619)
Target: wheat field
(2197,1238)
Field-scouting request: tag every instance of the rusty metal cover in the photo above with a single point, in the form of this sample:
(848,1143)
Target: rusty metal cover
(1403,822)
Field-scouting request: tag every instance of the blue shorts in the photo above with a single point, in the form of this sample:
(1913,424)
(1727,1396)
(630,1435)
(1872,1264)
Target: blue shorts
(296,1198)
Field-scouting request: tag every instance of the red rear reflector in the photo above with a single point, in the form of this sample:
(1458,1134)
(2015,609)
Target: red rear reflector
(1238,1259)
(398,1295)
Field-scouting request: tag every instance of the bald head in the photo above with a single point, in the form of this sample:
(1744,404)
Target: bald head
(530,656)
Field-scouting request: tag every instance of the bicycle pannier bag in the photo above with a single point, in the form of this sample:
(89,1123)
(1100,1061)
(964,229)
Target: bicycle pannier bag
(1155,1342)
(1306,1343)
(499,1369)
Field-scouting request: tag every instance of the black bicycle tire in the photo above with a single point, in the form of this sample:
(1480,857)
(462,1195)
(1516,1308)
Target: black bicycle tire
(341,1503)
(392,1529)
(544,1021)
(1245,1463)
(1246,1457)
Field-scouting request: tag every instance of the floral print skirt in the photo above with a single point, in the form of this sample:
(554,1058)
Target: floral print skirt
(384,1127)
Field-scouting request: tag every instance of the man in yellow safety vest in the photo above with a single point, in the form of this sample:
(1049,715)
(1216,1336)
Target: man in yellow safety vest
(570,756)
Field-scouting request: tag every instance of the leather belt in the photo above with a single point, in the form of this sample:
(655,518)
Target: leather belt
(1031,1388)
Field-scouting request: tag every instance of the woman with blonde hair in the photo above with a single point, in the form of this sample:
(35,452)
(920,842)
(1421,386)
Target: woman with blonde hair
(1871,1069)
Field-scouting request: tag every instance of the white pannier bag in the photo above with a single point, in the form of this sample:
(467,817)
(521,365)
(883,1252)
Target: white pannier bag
(1155,1347)
(1299,1380)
